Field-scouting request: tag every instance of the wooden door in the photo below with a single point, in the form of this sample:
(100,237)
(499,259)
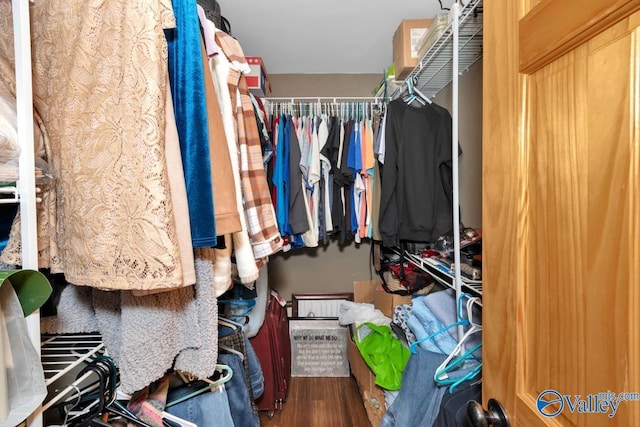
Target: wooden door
(561,210)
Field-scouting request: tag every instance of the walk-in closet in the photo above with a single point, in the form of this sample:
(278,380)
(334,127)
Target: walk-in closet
(241,213)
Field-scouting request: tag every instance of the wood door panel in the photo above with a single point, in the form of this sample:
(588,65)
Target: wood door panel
(571,185)
(500,199)
(561,213)
(555,27)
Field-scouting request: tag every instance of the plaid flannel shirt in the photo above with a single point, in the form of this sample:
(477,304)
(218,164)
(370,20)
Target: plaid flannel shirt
(261,219)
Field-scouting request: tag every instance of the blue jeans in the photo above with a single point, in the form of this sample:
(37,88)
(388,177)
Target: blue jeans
(255,376)
(255,371)
(418,401)
(239,400)
(209,409)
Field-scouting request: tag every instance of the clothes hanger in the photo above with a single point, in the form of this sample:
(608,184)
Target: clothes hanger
(463,321)
(458,356)
(416,91)
(413,346)
(414,94)
(455,359)
(227,374)
(223,321)
(231,351)
(411,96)
(104,368)
(175,420)
(468,377)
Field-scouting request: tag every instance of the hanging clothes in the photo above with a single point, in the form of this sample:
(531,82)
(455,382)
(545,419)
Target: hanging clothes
(324,167)
(227,216)
(261,221)
(186,74)
(417,191)
(110,213)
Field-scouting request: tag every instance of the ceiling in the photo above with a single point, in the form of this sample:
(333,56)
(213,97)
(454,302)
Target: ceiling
(327,36)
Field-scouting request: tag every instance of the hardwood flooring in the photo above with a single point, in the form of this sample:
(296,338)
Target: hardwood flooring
(320,402)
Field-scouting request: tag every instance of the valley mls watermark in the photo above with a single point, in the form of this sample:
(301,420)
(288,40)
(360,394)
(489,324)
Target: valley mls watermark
(551,403)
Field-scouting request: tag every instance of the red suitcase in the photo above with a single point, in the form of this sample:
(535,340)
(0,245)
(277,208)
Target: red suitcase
(273,348)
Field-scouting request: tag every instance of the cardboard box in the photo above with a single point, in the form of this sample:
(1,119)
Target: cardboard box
(372,394)
(363,290)
(406,42)
(258,80)
(386,302)
(370,291)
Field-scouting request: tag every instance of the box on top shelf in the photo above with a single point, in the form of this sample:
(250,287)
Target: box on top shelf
(258,80)
(406,42)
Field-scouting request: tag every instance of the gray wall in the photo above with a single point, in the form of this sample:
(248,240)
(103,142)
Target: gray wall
(334,268)
(470,137)
(323,84)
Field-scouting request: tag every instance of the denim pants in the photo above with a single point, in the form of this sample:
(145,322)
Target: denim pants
(418,402)
(255,370)
(209,409)
(237,340)
(240,403)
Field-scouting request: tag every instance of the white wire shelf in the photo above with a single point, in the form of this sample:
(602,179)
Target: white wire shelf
(61,354)
(442,274)
(9,194)
(435,69)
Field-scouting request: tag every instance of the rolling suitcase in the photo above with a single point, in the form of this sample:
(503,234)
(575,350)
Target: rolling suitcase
(273,348)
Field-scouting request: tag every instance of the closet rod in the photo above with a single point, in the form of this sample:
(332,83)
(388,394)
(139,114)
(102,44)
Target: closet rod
(335,99)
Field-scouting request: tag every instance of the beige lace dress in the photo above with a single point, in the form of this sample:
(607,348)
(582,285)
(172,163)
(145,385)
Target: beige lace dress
(99,86)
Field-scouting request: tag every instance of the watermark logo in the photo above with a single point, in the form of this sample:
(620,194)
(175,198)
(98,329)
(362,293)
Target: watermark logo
(551,403)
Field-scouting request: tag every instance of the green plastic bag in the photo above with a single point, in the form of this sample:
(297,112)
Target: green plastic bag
(384,354)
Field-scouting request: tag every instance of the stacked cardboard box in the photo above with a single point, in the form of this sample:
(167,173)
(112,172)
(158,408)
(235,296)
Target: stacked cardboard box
(369,291)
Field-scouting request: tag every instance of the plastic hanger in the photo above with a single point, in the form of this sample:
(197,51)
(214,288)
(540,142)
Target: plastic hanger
(176,420)
(223,321)
(422,96)
(463,321)
(414,94)
(458,356)
(411,96)
(413,346)
(231,350)
(210,385)
(455,359)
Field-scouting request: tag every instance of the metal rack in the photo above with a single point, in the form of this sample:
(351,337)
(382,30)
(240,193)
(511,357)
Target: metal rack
(62,354)
(436,68)
(459,47)
(443,274)
(25,189)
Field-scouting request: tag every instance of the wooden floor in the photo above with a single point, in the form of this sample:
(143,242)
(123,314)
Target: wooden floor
(320,402)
